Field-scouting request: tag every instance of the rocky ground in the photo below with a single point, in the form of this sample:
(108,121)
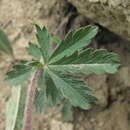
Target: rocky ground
(113,14)
(113,91)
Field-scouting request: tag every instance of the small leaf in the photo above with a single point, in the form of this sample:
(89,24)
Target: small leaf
(5,44)
(34,51)
(15,109)
(67,111)
(53,94)
(40,100)
(87,68)
(74,41)
(88,61)
(43,40)
(18,75)
(46,94)
(41,80)
(76,97)
(34,63)
(67,59)
(56,39)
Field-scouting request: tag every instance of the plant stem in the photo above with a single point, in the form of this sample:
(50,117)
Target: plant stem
(29,101)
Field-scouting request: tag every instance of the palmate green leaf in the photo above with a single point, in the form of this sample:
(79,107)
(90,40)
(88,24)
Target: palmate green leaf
(43,40)
(34,51)
(59,79)
(5,44)
(76,95)
(18,74)
(73,41)
(88,61)
(15,109)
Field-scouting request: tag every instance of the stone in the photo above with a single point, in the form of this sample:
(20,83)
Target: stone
(112,14)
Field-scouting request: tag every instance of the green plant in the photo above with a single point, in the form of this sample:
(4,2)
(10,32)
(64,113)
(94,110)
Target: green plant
(54,77)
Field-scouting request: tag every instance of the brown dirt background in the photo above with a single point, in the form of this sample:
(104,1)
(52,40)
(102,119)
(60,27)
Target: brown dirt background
(112,91)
